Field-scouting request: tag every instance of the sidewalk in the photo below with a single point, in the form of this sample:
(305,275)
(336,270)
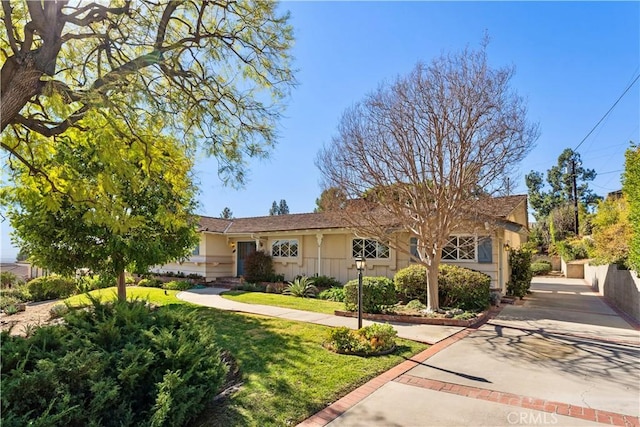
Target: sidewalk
(210,297)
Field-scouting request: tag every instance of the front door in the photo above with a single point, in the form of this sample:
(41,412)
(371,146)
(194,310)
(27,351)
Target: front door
(244,250)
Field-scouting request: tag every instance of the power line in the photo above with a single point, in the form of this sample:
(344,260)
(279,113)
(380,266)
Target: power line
(607,113)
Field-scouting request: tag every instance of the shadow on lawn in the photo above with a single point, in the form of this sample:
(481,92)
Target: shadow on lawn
(262,352)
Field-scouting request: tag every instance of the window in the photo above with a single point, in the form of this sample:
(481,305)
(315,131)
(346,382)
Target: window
(196,250)
(369,249)
(413,249)
(285,248)
(460,248)
(485,249)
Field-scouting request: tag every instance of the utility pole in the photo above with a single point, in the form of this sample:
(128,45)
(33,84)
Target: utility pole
(575,193)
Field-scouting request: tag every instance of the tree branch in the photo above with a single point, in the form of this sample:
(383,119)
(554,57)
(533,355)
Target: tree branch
(8,22)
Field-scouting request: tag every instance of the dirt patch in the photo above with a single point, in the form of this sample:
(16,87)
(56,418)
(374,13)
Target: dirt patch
(36,314)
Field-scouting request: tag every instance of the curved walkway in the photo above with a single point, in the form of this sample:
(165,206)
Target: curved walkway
(210,297)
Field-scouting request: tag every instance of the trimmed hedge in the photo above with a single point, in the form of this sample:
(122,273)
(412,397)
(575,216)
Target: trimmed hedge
(258,267)
(178,285)
(51,287)
(463,288)
(457,286)
(150,283)
(378,293)
(117,364)
(521,274)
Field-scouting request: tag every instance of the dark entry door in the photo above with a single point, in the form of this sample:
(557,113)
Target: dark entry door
(244,250)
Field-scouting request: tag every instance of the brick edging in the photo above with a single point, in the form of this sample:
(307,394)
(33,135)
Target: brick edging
(559,408)
(343,404)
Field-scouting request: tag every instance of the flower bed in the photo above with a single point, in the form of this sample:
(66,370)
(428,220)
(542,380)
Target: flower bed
(416,319)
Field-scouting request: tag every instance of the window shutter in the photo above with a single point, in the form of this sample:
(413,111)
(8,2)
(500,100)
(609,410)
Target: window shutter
(485,249)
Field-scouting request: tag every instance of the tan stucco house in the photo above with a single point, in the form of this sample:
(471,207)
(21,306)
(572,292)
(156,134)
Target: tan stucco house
(319,244)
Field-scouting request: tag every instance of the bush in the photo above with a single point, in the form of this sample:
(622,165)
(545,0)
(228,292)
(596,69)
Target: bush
(90,283)
(416,305)
(463,288)
(302,287)
(326,282)
(411,283)
(378,293)
(540,268)
(150,283)
(275,288)
(332,294)
(250,287)
(178,285)
(371,339)
(574,249)
(116,364)
(51,287)
(521,274)
(258,267)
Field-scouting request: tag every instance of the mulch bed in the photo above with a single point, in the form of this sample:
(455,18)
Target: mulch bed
(422,320)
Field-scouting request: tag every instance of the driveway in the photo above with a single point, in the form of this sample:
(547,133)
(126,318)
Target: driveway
(563,358)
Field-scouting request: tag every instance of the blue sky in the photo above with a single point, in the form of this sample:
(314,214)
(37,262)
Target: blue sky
(573,60)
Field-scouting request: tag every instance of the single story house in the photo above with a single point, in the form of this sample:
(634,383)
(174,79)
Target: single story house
(313,244)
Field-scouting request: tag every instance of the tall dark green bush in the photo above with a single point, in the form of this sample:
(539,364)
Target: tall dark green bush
(521,274)
(51,287)
(258,267)
(118,364)
(463,288)
(378,293)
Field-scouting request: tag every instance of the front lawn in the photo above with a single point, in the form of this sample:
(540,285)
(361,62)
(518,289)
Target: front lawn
(153,295)
(287,375)
(285,301)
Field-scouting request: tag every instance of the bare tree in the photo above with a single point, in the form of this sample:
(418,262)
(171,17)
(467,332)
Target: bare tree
(426,151)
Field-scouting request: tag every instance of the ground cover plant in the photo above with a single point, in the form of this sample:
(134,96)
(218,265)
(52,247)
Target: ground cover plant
(369,340)
(280,362)
(121,363)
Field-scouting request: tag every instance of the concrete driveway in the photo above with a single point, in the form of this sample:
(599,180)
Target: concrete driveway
(562,358)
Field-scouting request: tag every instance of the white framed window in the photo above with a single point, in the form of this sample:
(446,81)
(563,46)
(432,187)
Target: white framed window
(285,248)
(460,248)
(369,249)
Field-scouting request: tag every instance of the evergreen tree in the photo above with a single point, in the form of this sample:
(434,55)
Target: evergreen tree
(226,213)
(283,208)
(274,209)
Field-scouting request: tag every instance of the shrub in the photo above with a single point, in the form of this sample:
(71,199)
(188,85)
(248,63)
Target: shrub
(275,288)
(250,287)
(574,249)
(521,274)
(51,287)
(371,339)
(90,283)
(150,283)
(540,268)
(416,305)
(332,294)
(301,287)
(326,282)
(258,267)
(411,283)
(463,288)
(114,364)
(19,293)
(178,285)
(378,293)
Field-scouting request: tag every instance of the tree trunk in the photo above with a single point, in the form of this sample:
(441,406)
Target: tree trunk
(122,288)
(20,82)
(432,287)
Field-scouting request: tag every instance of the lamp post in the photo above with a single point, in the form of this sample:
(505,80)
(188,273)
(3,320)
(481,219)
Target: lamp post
(360,264)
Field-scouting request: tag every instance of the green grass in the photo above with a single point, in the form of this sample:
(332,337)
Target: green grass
(286,301)
(287,375)
(153,295)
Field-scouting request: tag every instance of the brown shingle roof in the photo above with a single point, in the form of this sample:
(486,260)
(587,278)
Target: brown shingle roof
(498,207)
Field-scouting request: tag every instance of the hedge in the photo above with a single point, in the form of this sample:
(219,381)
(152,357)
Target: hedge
(377,294)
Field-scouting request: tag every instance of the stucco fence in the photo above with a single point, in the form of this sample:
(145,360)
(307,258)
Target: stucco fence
(620,287)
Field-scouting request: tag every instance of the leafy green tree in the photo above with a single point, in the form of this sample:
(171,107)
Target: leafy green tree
(560,180)
(631,188)
(612,231)
(208,72)
(118,202)
(226,213)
